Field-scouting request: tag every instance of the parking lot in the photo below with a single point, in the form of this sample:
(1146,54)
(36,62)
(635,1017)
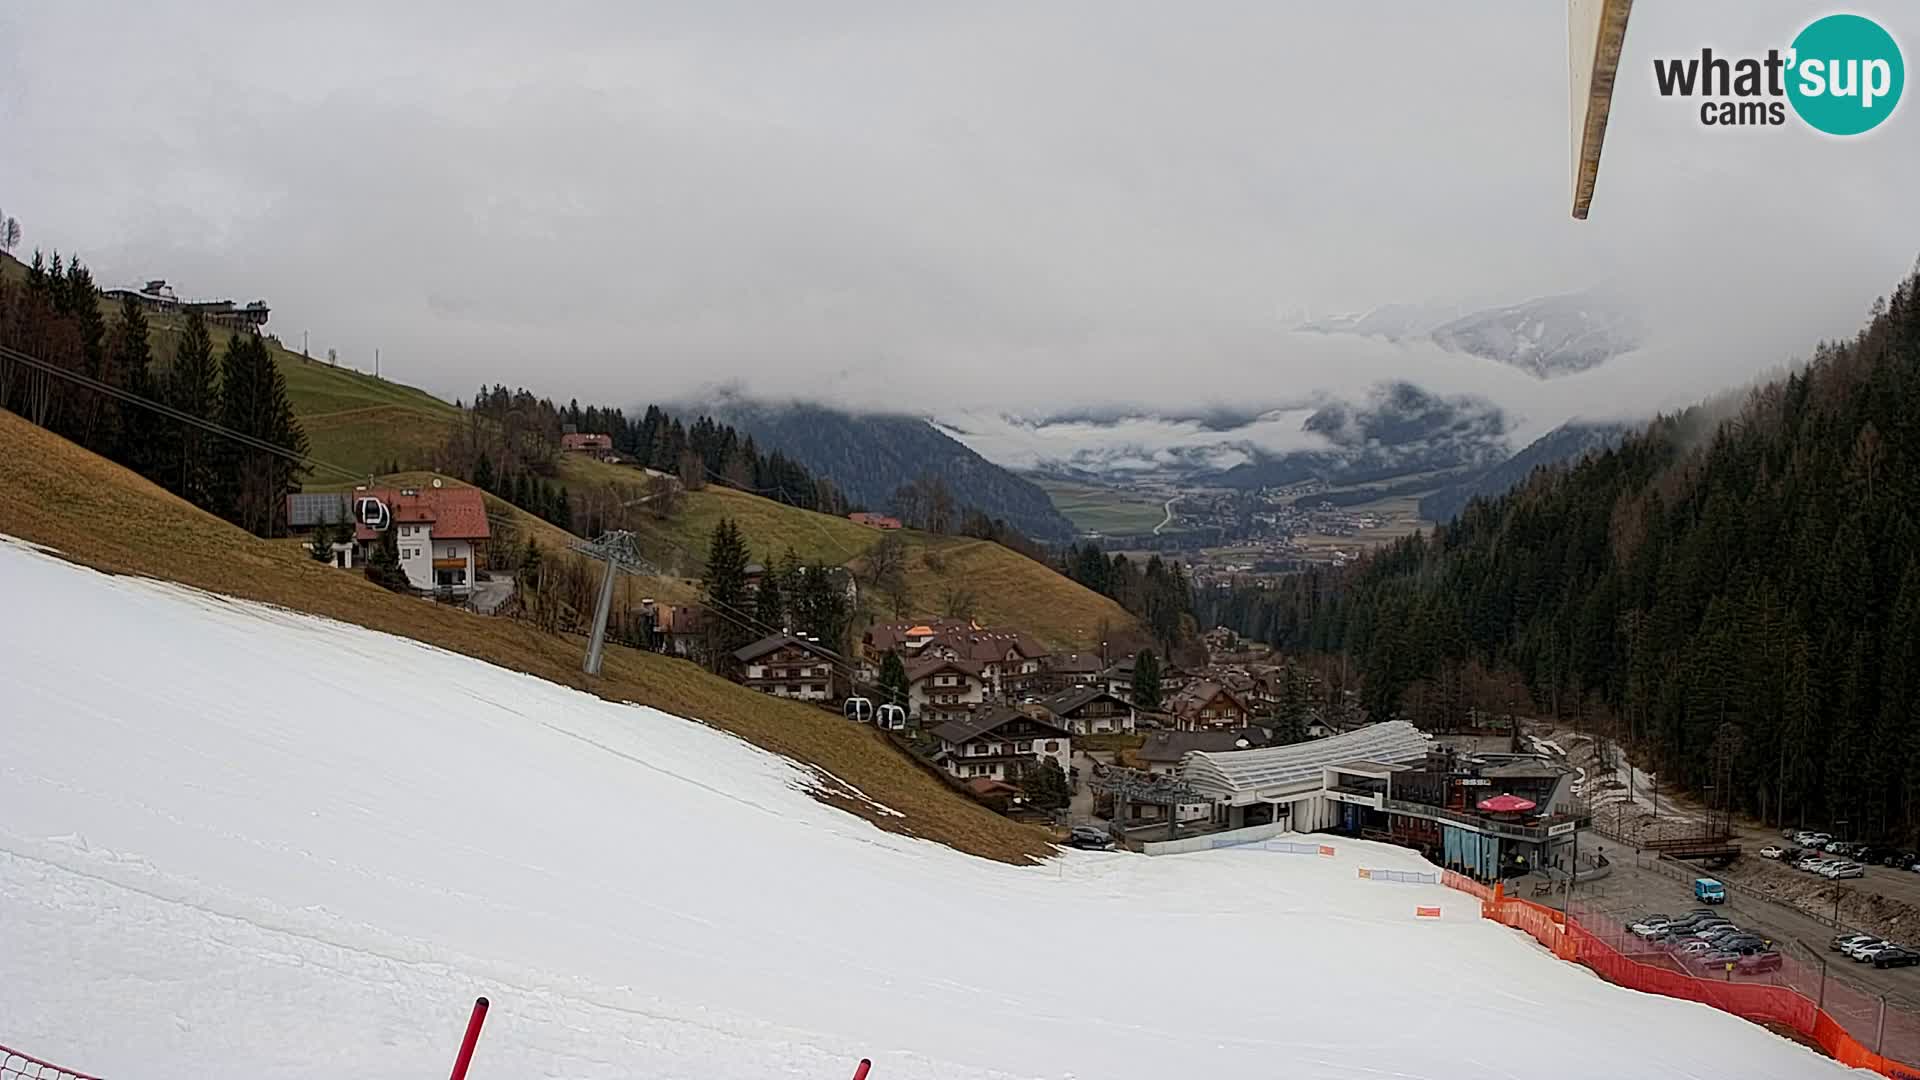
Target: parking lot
(1876,1005)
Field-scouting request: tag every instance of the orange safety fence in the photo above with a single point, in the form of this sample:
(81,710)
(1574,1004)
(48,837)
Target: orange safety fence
(1761,1003)
(1465,884)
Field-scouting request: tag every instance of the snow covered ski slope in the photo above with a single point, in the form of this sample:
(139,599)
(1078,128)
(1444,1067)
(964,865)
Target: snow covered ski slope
(237,842)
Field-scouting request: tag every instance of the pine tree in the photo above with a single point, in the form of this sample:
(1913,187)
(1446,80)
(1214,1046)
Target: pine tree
(1045,785)
(724,588)
(130,359)
(1146,680)
(191,388)
(892,686)
(769,609)
(320,544)
(483,473)
(383,563)
(253,401)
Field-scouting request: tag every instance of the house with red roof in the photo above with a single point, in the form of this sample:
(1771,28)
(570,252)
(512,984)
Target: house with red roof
(441,532)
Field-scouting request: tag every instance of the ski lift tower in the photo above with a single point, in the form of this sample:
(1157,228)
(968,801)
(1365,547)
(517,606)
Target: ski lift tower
(622,555)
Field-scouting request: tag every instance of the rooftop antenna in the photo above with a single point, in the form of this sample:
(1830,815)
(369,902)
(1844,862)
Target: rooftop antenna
(622,555)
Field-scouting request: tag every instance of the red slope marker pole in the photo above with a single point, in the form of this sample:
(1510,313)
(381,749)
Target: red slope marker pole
(861,1072)
(479,1016)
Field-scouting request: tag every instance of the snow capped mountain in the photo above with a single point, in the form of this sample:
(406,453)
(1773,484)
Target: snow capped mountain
(1395,322)
(259,844)
(1546,337)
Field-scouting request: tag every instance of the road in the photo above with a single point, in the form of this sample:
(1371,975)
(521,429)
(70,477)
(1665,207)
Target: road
(1168,520)
(1680,815)
(1080,810)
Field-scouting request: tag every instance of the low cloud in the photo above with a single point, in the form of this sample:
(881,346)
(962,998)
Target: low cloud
(1064,210)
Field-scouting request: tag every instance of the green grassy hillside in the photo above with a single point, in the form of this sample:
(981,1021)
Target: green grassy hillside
(352,419)
(364,424)
(1008,589)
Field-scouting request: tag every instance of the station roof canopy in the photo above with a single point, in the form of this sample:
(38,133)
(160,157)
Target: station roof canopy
(1234,772)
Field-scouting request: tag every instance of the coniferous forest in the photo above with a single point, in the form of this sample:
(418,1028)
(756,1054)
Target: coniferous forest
(1733,593)
(523,431)
(54,318)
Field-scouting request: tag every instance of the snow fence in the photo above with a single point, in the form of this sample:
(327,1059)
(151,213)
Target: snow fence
(15,1065)
(1772,1004)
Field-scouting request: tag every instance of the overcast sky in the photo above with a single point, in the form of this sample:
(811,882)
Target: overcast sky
(957,207)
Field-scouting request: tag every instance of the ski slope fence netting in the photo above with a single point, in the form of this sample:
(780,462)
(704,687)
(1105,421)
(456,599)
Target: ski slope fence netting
(1414,877)
(1796,996)
(15,1065)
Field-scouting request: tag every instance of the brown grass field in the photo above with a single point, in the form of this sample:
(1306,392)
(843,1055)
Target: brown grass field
(98,514)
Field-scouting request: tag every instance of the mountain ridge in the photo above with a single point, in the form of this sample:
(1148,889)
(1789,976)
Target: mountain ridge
(870,456)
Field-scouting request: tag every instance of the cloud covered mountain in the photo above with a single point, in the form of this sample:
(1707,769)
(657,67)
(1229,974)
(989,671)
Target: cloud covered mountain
(1399,429)
(1395,428)
(1547,337)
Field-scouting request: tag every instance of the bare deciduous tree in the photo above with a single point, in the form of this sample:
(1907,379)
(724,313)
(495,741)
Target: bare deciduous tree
(957,602)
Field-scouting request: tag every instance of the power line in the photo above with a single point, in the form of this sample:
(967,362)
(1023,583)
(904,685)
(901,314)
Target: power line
(734,615)
(249,441)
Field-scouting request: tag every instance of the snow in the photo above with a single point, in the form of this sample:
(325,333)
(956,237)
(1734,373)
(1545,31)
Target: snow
(237,841)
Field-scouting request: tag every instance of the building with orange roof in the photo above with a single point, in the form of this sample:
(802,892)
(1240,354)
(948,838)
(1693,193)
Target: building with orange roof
(441,532)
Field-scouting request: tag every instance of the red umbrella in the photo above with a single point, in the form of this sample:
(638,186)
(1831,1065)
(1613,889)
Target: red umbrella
(1506,804)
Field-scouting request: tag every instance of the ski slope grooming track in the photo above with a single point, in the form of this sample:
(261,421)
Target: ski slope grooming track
(242,842)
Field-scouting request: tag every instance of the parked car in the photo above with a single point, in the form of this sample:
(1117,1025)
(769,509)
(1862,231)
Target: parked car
(1854,950)
(1845,870)
(1758,963)
(1899,860)
(1090,837)
(1898,956)
(1692,948)
(1689,927)
(1709,891)
(1865,954)
(1841,941)
(1773,851)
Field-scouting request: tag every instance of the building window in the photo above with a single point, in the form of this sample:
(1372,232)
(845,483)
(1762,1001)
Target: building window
(1053,746)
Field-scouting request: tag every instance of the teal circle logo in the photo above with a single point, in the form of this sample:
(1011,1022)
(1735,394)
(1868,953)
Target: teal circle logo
(1845,74)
